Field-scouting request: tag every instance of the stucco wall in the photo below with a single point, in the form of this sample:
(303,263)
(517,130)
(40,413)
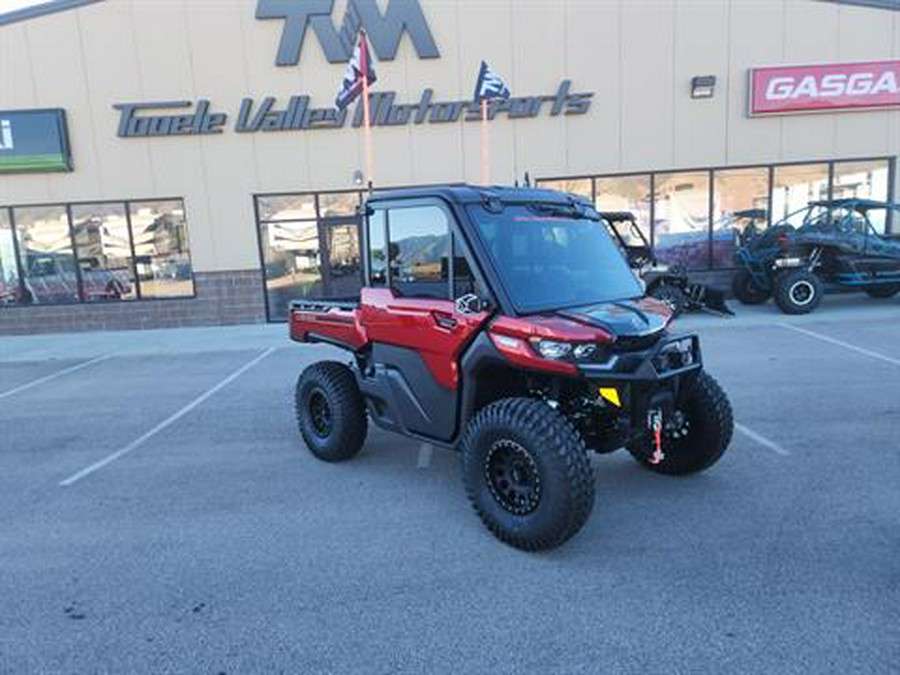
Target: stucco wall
(637,55)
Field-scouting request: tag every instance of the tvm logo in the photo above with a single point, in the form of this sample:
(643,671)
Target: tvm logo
(384,30)
(6,135)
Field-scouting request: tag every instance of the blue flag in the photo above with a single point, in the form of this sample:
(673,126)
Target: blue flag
(489,85)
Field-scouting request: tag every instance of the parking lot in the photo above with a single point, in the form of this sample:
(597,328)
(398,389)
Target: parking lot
(160,514)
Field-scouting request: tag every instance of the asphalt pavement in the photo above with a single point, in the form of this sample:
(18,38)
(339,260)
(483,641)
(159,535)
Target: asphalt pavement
(159,514)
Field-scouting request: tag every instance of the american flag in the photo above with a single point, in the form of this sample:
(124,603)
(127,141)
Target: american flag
(489,85)
(360,68)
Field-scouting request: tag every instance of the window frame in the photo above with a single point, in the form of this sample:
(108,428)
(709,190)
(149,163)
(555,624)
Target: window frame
(458,244)
(892,226)
(67,206)
(412,204)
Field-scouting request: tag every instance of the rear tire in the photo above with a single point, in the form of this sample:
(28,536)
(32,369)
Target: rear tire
(798,291)
(527,473)
(330,411)
(883,291)
(746,291)
(705,432)
(673,296)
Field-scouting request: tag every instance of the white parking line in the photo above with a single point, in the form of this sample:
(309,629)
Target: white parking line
(87,471)
(425,452)
(53,376)
(762,440)
(840,343)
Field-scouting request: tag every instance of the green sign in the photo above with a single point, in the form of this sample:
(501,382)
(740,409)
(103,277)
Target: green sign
(34,141)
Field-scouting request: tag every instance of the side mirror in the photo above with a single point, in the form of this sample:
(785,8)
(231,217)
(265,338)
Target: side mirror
(471,304)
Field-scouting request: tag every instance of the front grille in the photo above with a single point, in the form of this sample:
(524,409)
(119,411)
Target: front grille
(633,343)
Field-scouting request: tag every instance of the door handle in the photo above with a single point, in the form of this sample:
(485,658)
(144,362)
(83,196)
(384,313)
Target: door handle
(444,321)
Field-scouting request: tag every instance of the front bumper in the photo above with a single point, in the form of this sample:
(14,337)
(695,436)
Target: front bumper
(670,357)
(631,385)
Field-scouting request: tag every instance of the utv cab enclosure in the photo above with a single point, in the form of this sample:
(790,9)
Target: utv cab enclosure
(506,324)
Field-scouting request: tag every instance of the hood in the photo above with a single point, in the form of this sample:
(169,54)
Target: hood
(626,318)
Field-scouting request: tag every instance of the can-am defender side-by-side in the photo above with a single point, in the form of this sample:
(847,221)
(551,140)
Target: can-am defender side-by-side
(505,323)
(669,283)
(836,245)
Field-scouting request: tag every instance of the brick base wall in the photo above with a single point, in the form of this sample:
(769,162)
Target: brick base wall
(222,298)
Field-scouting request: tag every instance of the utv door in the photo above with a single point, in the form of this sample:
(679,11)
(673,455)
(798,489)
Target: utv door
(418,333)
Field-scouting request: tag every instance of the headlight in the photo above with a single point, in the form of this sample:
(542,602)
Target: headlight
(675,355)
(550,349)
(558,351)
(584,351)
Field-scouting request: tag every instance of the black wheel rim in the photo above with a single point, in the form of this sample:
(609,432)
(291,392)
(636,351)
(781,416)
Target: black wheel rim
(513,477)
(678,427)
(802,292)
(320,413)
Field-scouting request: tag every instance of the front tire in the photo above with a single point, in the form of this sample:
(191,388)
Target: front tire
(798,291)
(884,291)
(746,291)
(700,433)
(330,411)
(527,473)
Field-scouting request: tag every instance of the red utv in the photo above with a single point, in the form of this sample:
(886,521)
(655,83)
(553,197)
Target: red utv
(506,324)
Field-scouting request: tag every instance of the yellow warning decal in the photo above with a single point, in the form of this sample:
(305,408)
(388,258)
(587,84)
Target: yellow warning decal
(611,395)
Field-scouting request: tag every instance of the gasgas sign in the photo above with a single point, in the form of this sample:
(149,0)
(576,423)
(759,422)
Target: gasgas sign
(827,87)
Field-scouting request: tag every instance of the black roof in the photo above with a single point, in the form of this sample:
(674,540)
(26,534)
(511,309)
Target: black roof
(468,194)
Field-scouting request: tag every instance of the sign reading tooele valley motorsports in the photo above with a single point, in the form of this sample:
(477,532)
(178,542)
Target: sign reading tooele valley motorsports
(34,141)
(385,32)
(157,118)
(826,87)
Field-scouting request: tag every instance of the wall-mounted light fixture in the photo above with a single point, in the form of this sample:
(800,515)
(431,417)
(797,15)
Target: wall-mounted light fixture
(358,178)
(703,86)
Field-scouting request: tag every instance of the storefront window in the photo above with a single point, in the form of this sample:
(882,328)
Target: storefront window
(338,204)
(287,207)
(293,264)
(578,186)
(103,248)
(681,219)
(864,180)
(793,187)
(10,290)
(162,253)
(740,208)
(45,245)
(626,193)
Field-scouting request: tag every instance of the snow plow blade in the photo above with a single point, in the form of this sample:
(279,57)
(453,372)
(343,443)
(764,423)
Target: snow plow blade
(709,300)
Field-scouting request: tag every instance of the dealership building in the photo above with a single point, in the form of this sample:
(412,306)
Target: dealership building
(182,162)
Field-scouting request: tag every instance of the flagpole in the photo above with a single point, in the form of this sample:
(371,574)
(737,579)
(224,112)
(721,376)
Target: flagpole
(485,147)
(370,154)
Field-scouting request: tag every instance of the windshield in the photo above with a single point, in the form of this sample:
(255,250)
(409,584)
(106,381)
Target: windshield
(548,261)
